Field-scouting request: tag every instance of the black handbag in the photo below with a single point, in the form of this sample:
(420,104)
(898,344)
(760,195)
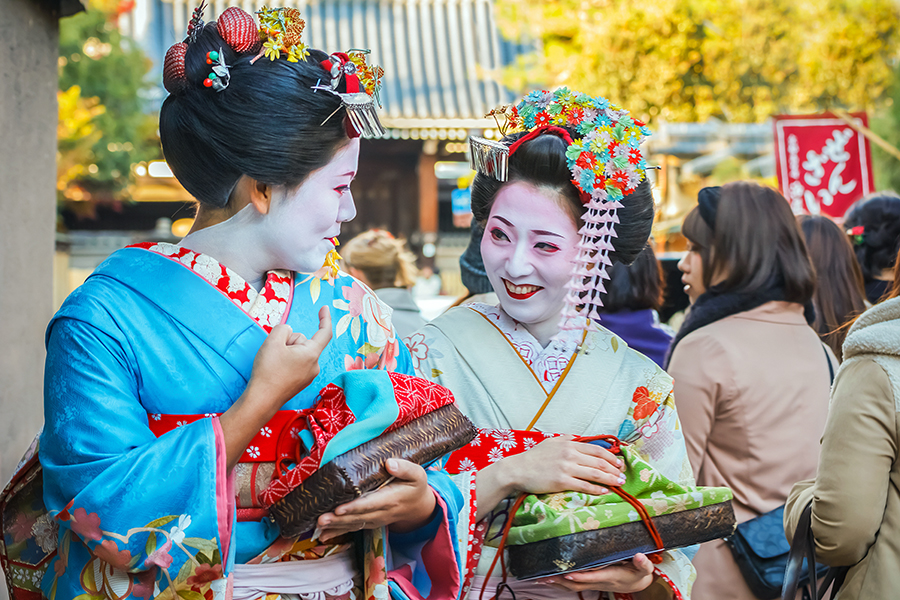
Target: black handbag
(761,551)
(803,553)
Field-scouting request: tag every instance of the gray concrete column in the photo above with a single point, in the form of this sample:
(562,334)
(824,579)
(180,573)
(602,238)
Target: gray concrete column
(29,36)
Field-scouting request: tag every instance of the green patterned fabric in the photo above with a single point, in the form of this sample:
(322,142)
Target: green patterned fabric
(545,516)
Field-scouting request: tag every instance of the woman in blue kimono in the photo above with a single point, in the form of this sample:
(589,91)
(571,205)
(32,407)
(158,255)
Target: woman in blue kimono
(169,371)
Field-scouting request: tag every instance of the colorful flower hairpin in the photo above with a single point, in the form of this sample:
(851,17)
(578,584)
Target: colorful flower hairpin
(857,235)
(606,163)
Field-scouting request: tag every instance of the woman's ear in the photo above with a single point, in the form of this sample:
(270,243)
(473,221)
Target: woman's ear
(260,196)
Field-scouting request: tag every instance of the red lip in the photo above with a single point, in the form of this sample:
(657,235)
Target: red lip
(516,296)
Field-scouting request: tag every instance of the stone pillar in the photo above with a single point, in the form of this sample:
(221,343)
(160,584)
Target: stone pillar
(29,36)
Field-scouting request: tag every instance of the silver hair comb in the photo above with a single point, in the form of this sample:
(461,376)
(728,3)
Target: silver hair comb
(489,157)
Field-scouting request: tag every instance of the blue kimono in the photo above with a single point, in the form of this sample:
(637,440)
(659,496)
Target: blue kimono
(148,517)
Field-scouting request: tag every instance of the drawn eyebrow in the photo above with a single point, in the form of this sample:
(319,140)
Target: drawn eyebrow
(535,231)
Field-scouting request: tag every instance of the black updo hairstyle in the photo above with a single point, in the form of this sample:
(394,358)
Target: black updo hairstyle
(267,124)
(542,163)
(879,215)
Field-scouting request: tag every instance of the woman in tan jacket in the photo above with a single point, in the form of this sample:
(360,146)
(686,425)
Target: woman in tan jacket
(751,376)
(856,493)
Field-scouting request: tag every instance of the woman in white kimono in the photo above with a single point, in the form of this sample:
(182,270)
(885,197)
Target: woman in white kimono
(575,184)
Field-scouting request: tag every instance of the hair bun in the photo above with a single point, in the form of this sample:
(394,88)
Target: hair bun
(174,77)
(238,29)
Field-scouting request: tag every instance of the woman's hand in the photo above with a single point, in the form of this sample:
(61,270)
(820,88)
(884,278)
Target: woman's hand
(624,578)
(405,504)
(555,465)
(285,364)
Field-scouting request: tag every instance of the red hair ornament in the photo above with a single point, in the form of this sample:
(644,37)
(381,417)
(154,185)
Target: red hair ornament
(237,28)
(362,83)
(174,77)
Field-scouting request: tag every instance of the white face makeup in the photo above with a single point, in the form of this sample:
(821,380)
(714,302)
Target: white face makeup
(302,222)
(528,250)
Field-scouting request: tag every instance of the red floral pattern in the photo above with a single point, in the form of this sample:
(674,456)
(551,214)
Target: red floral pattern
(262,448)
(489,446)
(415,397)
(645,405)
(268,307)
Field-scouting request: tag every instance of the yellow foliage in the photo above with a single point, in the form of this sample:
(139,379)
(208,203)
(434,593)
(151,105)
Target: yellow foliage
(688,60)
(76,134)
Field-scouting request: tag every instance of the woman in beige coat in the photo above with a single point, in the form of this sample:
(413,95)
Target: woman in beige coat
(856,493)
(751,376)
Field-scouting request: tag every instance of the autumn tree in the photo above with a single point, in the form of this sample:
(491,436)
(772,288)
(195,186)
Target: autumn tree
(688,60)
(105,126)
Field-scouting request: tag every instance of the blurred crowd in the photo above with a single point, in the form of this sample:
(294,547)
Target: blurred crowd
(778,302)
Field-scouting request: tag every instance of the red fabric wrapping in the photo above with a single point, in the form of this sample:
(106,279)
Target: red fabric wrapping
(279,441)
(415,397)
(174,78)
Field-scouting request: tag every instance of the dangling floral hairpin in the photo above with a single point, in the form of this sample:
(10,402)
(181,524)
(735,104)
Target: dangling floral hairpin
(606,163)
(857,235)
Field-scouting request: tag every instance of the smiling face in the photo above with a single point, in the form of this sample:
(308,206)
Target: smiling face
(528,250)
(302,222)
(691,267)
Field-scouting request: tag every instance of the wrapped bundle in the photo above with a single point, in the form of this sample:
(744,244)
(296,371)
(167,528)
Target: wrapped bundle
(336,451)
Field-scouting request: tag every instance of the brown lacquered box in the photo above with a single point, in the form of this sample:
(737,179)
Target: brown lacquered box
(362,469)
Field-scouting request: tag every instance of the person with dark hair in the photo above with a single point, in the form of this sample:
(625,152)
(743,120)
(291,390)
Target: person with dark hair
(559,203)
(751,375)
(873,224)
(634,294)
(840,295)
(855,499)
(177,375)
(382,262)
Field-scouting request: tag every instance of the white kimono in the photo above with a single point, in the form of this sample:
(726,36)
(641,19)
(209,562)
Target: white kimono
(501,376)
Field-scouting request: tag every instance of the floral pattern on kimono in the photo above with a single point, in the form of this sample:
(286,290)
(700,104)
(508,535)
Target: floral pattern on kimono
(468,356)
(266,307)
(160,330)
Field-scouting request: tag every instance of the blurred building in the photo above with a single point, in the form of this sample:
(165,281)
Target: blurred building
(443,61)
(694,155)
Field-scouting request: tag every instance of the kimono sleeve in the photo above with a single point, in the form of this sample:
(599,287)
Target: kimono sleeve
(147,514)
(655,433)
(424,563)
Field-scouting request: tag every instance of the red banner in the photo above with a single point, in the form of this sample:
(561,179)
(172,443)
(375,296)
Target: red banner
(823,164)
